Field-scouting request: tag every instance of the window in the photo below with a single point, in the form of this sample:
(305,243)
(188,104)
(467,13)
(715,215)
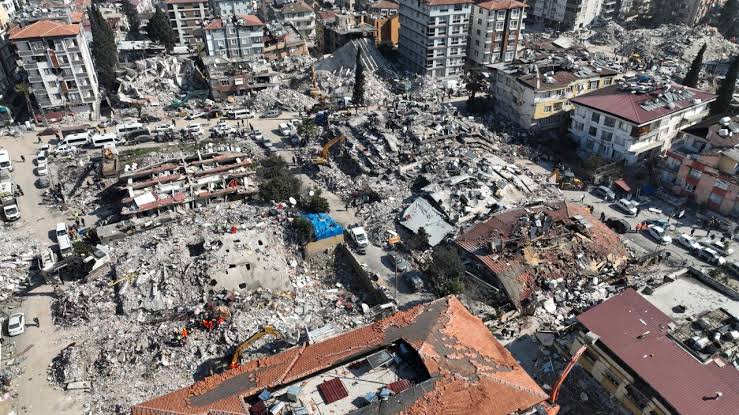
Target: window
(606,136)
(593,85)
(513,25)
(593,132)
(508,56)
(714,198)
(499,26)
(695,173)
(225,82)
(548,108)
(515,13)
(595,118)
(609,122)
(721,184)
(611,377)
(579,126)
(607,82)
(558,106)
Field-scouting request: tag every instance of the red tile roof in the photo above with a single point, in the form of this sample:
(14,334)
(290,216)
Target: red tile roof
(681,380)
(45,28)
(501,4)
(384,4)
(625,105)
(514,272)
(474,373)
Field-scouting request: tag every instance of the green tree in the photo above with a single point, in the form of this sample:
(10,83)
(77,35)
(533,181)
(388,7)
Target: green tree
(303,229)
(419,240)
(25,90)
(104,49)
(316,203)
(729,19)
(691,78)
(279,188)
(446,271)
(359,81)
(475,83)
(132,15)
(726,90)
(307,130)
(159,30)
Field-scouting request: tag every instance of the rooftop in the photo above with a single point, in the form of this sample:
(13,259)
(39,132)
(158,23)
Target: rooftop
(541,243)
(443,359)
(45,28)
(384,4)
(643,100)
(720,131)
(446,2)
(184,1)
(297,7)
(551,77)
(637,332)
(501,4)
(245,20)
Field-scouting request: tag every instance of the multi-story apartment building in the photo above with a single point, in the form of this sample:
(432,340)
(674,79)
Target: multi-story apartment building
(565,14)
(185,17)
(230,8)
(637,119)
(57,60)
(703,164)
(298,14)
(495,30)
(383,15)
(234,37)
(536,96)
(688,12)
(433,36)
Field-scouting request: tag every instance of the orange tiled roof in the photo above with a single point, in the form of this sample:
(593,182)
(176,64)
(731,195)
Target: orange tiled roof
(501,5)
(45,28)
(473,372)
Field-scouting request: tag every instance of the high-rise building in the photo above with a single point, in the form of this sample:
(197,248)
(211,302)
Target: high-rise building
(566,14)
(495,31)
(688,12)
(230,8)
(234,37)
(57,60)
(433,36)
(185,17)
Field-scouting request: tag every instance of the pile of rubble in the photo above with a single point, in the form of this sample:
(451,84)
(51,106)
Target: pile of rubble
(18,253)
(280,97)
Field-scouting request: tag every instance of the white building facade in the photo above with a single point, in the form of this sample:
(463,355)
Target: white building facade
(241,37)
(495,31)
(566,14)
(60,69)
(433,36)
(186,17)
(616,124)
(231,8)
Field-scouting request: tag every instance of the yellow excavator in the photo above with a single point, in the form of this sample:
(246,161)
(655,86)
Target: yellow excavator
(322,157)
(236,357)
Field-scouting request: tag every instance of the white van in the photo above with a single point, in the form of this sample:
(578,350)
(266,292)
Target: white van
(5,163)
(100,140)
(62,238)
(239,114)
(76,140)
(123,129)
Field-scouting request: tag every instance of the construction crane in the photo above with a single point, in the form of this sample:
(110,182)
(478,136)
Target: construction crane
(236,357)
(575,357)
(322,157)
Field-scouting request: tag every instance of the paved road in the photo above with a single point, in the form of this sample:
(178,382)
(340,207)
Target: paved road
(642,240)
(35,394)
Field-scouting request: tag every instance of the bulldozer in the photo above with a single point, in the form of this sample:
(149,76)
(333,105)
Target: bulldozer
(566,180)
(322,157)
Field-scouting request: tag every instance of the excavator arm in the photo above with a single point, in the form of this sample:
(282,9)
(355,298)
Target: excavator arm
(323,155)
(555,390)
(236,358)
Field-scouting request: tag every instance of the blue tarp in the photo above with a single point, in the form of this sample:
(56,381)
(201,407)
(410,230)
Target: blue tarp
(324,226)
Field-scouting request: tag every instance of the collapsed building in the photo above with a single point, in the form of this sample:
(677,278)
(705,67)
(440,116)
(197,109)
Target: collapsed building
(190,182)
(558,247)
(429,359)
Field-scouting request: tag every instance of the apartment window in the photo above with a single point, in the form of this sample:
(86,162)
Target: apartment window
(689,187)
(609,122)
(607,81)
(558,106)
(501,15)
(593,132)
(579,126)
(593,85)
(477,42)
(231,30)
(513,25)
(508,56)
(714,198)
(515,13)
(233,42)
(478,32)
(479,21)
(457,7)
(548,108)
(595,118)
(225,82)
(499,26)
(695,173)
(611,377)
(606,136)
(721,184)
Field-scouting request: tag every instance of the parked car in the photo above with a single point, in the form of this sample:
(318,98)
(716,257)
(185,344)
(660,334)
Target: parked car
(256,135)
(147,118)
(64,149)
(618,225)
(733,268)
(16,324)
(274,113)
(41,159)
(718,246)
(689,243)
(163,128)
(284,129)
(604,193)
(42,170)
(413,280)
(195,115)
(659,234)
(711,256)
(627,206)
(398,262)
(194,129)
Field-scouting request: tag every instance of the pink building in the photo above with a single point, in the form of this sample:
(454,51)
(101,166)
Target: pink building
(703,164)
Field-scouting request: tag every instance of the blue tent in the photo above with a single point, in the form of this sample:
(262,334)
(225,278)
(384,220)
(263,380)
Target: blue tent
(324,226)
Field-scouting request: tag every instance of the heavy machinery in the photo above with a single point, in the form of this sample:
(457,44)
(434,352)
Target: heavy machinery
(199,93)
(322,157)
(566,180)
(551,406)
(236,357)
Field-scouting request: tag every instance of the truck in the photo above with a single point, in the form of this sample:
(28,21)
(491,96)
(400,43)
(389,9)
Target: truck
(359,236)
(11,212)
